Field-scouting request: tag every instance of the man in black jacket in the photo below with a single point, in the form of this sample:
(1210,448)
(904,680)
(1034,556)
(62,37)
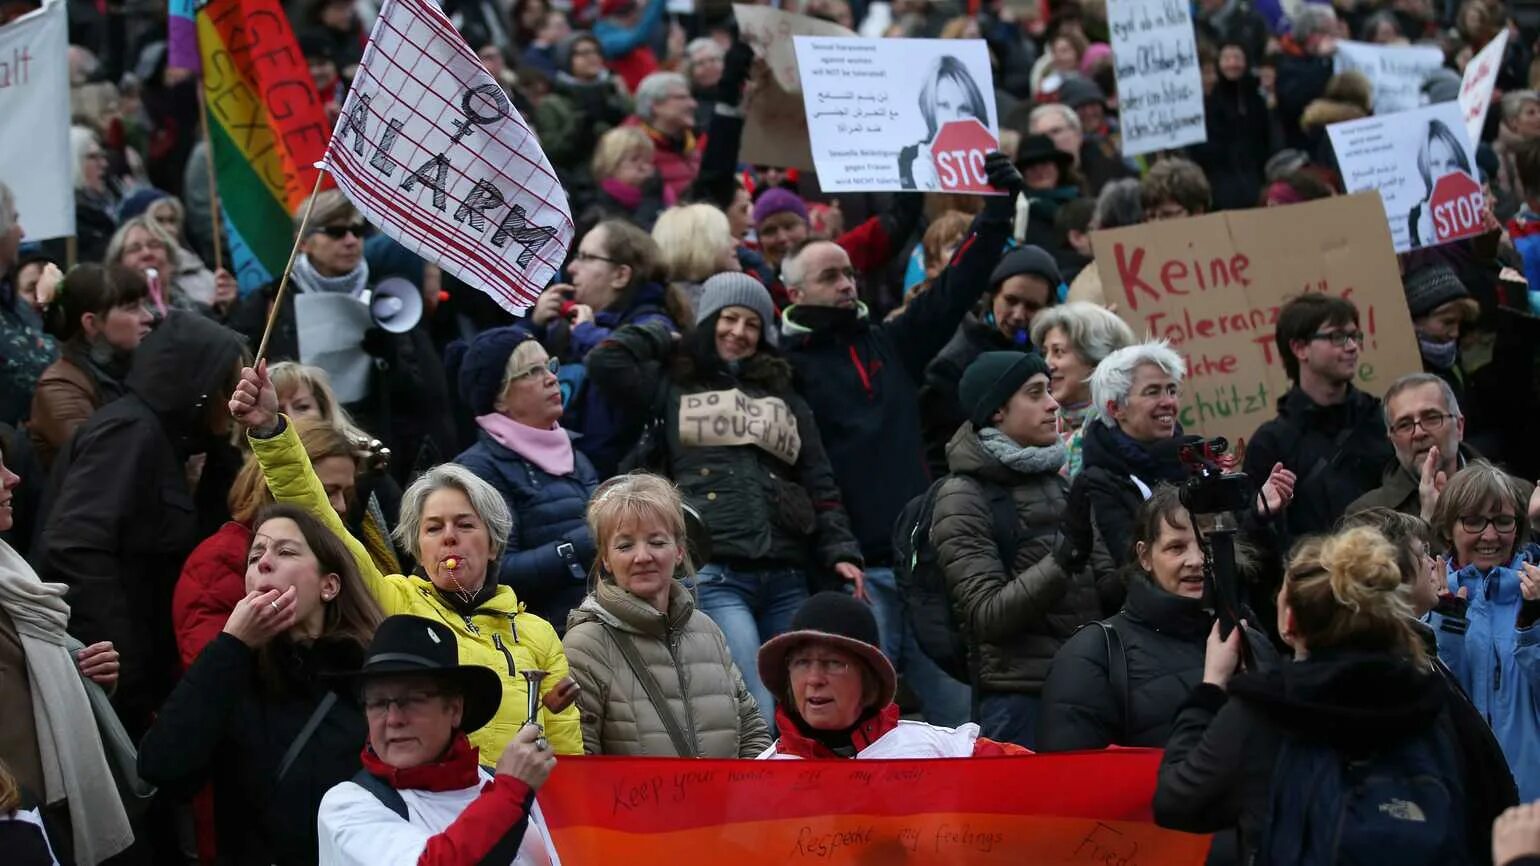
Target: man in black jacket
(1328,433)
(862,381)
(122,520)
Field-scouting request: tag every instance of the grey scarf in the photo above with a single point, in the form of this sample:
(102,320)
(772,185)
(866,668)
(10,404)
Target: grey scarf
(310,280)
(1028,460)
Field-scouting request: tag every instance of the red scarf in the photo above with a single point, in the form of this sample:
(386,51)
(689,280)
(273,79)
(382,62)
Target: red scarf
(869,730)
(458,769)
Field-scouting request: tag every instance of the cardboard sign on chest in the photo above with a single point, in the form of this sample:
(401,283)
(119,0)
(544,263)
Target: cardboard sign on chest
(733,418)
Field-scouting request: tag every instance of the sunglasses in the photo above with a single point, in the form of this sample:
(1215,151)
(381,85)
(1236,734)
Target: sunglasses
(337,233)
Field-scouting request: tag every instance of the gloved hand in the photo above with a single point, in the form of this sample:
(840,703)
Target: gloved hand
(1068,557)
(380,343)
(1003,176)
(735,71)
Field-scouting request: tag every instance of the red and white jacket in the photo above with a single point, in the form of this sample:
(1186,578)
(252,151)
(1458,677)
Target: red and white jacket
(884,735)
(459,815)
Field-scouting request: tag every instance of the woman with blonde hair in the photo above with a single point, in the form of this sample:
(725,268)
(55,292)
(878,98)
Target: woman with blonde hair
(142,244)
(1264,751)
(657,675)
(627,184)
(696,242)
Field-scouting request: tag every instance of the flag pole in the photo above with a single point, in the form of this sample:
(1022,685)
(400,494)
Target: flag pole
(299,238)
(214,208)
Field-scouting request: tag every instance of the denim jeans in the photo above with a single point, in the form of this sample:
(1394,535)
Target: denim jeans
(750,607)
(1010,717)
(944,701)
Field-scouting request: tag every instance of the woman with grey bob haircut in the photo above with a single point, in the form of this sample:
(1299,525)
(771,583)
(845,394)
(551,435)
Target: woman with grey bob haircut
(484,500)
(1074,338)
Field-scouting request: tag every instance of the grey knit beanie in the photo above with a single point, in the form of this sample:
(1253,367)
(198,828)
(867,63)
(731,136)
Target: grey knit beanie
(736,289)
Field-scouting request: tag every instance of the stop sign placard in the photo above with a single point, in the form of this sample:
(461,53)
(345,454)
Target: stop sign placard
(1456,205)
(958,152)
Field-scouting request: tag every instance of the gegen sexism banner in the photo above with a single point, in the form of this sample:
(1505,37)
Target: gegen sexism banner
(1088,808)
(1213,285)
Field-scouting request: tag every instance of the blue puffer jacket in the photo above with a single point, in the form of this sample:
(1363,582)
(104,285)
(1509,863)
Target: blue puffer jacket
(548,512)
(1498,664)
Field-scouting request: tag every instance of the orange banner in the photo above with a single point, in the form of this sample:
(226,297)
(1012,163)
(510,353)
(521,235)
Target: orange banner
(1087,808)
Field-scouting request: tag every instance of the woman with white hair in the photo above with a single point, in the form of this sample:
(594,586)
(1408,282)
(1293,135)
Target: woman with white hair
(1074,338)
(696,242)
(96,198)
(456,526)
(665,110)
(1132,443)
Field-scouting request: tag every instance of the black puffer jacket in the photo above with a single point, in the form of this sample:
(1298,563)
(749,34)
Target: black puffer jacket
(1337,454)
(1163,636)
(761,510)
(1219,764)
(1014,618)
(941,411)
(120,518)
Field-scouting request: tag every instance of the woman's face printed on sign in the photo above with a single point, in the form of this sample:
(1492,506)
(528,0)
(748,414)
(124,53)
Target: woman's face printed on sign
(952,101)
(1442,158)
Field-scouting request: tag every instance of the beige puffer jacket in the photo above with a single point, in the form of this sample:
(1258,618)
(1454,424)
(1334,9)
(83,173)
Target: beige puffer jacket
(687,655)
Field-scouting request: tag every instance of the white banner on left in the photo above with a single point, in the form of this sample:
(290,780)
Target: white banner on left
(432,151)
(35,121)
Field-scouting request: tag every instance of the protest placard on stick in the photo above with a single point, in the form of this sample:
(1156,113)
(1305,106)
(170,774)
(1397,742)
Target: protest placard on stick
(775,126)
(1423,166)
(430,149)
(35,121)
(898,114)
(1395,71)
(1213,286)
(1160,90)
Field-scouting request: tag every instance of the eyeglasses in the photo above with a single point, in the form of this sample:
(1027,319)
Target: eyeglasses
(337,233)
(136,249)
(830,667)
(410,702)
(1430,422)
(1476,524)
(551,366)
(97,155)
(1340,338)
(590,257)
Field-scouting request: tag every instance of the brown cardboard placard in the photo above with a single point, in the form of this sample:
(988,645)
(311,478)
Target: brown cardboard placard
(1213,285)
(775,130)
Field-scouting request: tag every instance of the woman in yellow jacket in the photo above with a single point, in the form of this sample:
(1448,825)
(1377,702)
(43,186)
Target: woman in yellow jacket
(455,524)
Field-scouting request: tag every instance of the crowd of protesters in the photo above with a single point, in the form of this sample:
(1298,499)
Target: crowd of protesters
(767,472)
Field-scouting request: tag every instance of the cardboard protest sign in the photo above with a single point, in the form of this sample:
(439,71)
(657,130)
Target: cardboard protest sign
(1477,84)
(1213,285)
(1406,157)
(775,127)
(35,134)
(733,418)
(1396,71)
(431,150)
(898,114)
(1160,90)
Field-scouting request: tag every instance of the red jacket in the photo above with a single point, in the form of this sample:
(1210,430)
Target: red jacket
(677,160)
(213,580)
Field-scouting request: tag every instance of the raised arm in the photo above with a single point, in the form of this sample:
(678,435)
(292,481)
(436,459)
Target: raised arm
(290,477)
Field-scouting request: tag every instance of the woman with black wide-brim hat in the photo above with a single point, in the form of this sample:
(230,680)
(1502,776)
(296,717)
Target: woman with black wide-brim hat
(421,788)
(834,692)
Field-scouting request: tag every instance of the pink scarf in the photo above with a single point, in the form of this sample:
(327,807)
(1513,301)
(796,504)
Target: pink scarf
(551,450)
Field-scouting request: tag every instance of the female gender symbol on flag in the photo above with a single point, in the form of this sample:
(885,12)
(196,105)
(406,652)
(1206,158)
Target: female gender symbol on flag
(431,150)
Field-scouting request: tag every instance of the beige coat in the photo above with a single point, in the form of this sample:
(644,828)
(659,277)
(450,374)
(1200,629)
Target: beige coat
(685,652)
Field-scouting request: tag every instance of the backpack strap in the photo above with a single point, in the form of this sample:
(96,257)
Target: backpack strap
(654,691)
(306,733)
(382,791)
(1117,671)
(1007,523)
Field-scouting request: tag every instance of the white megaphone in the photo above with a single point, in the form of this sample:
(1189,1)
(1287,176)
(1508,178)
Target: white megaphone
(394,304)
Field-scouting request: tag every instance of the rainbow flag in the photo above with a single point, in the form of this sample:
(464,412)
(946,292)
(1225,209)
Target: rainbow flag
(1085,808)
(267,125)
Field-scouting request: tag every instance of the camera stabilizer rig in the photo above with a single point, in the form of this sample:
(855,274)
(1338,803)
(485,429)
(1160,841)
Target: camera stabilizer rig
(1218,499)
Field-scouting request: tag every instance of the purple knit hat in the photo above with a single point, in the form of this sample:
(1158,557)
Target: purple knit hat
(778,200)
